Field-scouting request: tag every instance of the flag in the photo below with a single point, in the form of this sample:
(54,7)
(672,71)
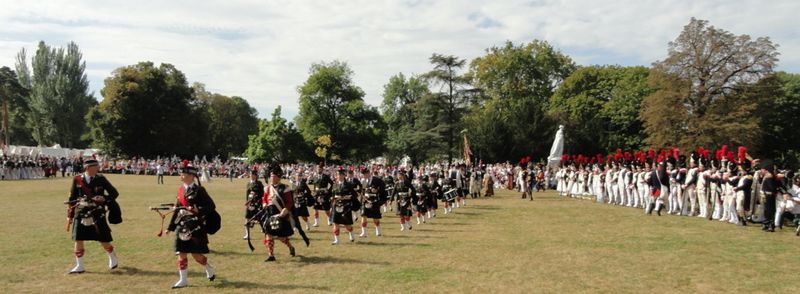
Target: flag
(467,151)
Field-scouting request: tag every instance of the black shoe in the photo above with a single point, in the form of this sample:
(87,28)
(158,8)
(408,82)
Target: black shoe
(659,211)
(271,258)
(291,251)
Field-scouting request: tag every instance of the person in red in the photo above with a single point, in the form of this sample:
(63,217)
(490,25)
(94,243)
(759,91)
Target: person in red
(278,221)
(193,208)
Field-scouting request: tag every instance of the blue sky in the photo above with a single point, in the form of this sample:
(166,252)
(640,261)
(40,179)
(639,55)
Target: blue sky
(262,50)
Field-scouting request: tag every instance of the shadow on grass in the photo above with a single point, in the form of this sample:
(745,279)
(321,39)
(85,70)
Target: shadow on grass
(488,207)
(413,236)
(129,270)
(309,260)
(369,243)
(228,284)
(233,253)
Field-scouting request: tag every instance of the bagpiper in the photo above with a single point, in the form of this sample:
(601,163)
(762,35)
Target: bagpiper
(302,198)
(405,196)
(253,194)
(91,199)
(194,218)
(277,221)
(345,201)
(322,195)
(374,197)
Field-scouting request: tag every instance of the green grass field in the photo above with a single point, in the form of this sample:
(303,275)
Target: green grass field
(497,245)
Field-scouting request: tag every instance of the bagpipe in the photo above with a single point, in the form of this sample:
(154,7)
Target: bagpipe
(253,202)
(371,198)
(251,222)
(321,195)
(188,223)
(169,208)
(403,199)
(87,210)
(341,203)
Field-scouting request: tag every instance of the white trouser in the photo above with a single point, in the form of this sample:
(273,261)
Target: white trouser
(702,198)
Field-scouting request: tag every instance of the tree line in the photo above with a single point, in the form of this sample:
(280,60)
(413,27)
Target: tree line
(713,88)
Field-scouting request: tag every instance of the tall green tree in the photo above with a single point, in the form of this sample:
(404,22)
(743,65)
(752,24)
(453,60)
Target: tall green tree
(59,94)
(13,97)
(518,81)
(231,121)
(599,107)
(696,84)
(404,112)
(331,104)
(149,110)
(451,94)
(277,140)
(780,103)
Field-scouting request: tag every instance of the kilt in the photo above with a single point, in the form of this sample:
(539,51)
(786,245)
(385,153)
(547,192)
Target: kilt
(325,204)
(374,212)
(343,218)
(404,210)
(250,213)
(99,232)
(301,211)
(197,244)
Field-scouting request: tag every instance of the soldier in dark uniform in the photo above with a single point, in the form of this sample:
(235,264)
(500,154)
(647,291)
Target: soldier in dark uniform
(423,192)
(193,208)
(356,184)
(769,187)
(91,193)
(345,201)
(389,182)
(322,195)
(302,198)
(278,203)
(255,190)
(436,194)
(374,197)
(405,196)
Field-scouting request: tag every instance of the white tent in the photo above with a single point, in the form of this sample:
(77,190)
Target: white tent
(558,148)
(52,151)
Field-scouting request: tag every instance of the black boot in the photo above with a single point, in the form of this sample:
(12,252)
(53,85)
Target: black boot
(744,221)
(269,259)
(650,208)
(659,210)
(291,251)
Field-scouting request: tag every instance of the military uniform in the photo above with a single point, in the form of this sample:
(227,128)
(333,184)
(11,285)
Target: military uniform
(345,202)
(194,218)
(89,221)
(277,197)
(253,196)
(191,236)
(302,199)
(374,197)
(322,192)
(405,195)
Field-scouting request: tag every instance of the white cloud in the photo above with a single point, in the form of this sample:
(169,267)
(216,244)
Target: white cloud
(261,50)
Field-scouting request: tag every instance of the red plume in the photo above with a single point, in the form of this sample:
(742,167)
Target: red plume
(724,149)
(661,158)
(730,156)
(651,154)
(742,153)
(610,158)
(627,156)
(184,163)
(599,157)
(676,153)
